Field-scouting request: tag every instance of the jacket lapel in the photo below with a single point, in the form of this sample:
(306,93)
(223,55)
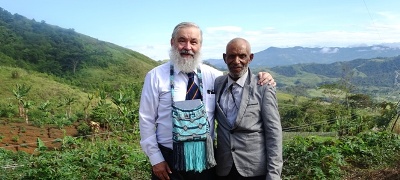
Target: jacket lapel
(219,90)
(220,86)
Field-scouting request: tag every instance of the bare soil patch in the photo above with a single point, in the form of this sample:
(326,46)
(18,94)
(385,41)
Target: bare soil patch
(21,136)
(392,173)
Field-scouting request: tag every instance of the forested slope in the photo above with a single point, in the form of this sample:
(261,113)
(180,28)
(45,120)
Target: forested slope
(75,58)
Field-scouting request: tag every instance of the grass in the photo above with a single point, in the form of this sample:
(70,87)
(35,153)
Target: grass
(323,135)
(43,88)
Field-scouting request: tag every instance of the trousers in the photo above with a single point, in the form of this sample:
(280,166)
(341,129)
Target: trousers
(208,174)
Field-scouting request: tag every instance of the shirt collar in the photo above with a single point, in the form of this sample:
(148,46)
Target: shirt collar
(240,81)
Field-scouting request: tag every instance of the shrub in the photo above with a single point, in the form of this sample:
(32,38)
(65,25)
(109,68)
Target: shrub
(371,149)
(15,74)
(308,158)
(8,111)
(84,129)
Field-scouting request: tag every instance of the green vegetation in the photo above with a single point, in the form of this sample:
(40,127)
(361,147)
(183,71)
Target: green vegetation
(316,158)
(78,159)
(67,56)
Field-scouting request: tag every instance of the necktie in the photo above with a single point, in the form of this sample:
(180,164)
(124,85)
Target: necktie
(231,104)
(192,88)
(233,92)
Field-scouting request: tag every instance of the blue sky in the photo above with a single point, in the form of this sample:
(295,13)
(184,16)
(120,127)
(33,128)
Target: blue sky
(145,26)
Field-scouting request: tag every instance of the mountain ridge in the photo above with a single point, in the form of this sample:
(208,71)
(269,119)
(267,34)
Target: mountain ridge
(275,56)
(377,77)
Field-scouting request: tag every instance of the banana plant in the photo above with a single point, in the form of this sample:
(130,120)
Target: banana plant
(20,92)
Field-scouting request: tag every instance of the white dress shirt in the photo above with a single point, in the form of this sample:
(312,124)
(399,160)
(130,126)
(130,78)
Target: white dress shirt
(155,111)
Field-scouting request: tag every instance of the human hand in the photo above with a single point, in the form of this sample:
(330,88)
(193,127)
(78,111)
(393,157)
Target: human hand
(264,78)
(161,170)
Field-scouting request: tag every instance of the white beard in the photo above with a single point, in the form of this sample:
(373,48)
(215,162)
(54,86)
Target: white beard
(186,65)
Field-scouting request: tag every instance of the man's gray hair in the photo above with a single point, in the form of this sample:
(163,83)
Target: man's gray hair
(185,25)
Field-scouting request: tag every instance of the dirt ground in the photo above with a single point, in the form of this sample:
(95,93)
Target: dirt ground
(23,137)
(382,174)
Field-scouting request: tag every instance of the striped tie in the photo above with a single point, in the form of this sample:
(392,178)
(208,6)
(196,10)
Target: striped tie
(192,88)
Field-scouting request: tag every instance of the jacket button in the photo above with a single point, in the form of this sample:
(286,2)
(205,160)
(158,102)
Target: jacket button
(233,149)
(231,131)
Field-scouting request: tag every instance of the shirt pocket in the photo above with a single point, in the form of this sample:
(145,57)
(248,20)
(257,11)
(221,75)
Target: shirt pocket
(210,102)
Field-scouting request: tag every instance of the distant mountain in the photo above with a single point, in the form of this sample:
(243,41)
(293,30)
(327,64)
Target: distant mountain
(375,76)
(275,56)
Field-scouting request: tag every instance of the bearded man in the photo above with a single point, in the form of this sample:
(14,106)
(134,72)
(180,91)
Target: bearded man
(168,83)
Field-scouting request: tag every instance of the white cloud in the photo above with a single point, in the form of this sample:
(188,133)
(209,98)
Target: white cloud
(215,39)
(377,48)
(328,50)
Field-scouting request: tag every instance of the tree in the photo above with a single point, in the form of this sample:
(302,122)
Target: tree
(388,112)
(332,91)
(20,92)
(360,101)
(27,106)
(68,103)
(345,83)
(127,107)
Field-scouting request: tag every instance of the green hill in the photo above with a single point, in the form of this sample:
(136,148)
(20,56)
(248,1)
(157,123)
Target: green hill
(73,58)
(43,88)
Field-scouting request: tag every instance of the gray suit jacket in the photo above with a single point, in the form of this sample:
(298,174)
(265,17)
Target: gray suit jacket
(254,144)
